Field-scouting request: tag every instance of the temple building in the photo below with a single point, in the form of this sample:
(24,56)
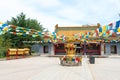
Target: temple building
(82,48)
(93,44)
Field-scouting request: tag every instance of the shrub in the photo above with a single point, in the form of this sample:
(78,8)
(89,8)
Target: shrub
(3,53)
(32,51)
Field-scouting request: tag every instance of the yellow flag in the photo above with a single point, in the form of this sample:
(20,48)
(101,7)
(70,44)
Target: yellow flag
(100,34)
(118,29)
(104,29)
(5,29)
(1,22)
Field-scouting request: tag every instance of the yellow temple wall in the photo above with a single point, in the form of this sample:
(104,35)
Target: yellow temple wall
(71,33)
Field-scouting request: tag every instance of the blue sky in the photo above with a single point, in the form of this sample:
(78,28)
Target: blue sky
(63,12)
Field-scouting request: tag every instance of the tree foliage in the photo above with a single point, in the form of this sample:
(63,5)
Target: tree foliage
(12,40)
(21,21)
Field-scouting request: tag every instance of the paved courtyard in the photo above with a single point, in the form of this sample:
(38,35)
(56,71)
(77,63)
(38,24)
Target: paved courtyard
(48,68)
(106,69)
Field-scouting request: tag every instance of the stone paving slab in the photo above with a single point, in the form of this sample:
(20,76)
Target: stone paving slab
(42,68)
(58,72)
(106,69)
(48,68)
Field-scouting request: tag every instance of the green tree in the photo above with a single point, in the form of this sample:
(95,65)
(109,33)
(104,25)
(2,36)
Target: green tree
(1,40)
(17,40)
(22,21)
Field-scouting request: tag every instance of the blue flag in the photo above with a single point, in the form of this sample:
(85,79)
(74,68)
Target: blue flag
(117,24)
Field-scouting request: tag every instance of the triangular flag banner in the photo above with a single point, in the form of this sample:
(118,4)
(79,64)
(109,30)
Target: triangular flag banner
(100,29)
(118,29)
(117,24)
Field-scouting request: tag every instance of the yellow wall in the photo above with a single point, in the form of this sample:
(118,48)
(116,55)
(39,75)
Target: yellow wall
(71,30)
(71,33)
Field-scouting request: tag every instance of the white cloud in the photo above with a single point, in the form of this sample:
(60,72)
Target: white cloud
(70,13)
(46,3)
(11,8)
(52,12)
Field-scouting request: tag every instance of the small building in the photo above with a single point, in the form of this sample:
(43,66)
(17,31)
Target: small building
(112,48)
(43,49)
